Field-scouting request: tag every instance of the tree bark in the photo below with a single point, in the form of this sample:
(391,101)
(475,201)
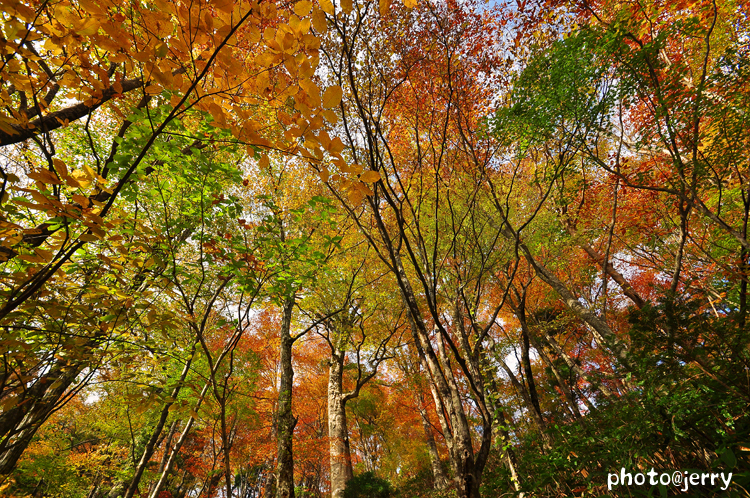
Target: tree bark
(598,327)
(286,420)
(176,449)
(619,279)
(55,120)
(165,457)
(467,471)
(536,416)
(340,451)
(19,424)
(520,312)
(566,390)
(504,441)
(438,474)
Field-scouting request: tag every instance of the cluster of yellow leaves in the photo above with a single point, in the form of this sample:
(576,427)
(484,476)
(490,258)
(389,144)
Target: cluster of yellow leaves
(250,65)
(235,55)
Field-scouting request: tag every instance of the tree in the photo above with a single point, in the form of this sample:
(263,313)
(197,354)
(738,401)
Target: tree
(411,122)
(532,268)
(360,332)
(140,76)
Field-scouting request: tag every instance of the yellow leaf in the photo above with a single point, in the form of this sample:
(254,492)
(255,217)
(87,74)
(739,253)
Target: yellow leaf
(83,201)
(44,176)
(384,6)
(319,21)
(89,171)
(13,239)
(81,178)
(332,96)
(91,7)
(153,89)
(312,90)
(223,5)
(302,8)
(88,28)
(30,259)
(44,254)
(290,64)
(356,196)
(267,59)
(60,166)
(72,182)
(410,4)
(300,27)
(346,6)
(161,49)
(327,6)
(336,146)
(330,116)
(39,197)
(253,34)
(370,176)
(5,125)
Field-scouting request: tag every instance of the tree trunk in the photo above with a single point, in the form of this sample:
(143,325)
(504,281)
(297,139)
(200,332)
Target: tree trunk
(575,367)
(619,279)
(148,451)
(173,452)
(510,459)
(19,424)
(286,420)
(340,452)
(599,328)
(504,440)
(445,392)
(467,480)
(566,390)
(438,474)
(165,457)
(526,363)
(520,388)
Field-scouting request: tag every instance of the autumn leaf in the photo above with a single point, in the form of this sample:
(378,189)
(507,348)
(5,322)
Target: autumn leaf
(370,176)
(332,96)
(327,6)
(355,196)
(302,8)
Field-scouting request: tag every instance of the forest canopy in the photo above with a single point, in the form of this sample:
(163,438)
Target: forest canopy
(430,248)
